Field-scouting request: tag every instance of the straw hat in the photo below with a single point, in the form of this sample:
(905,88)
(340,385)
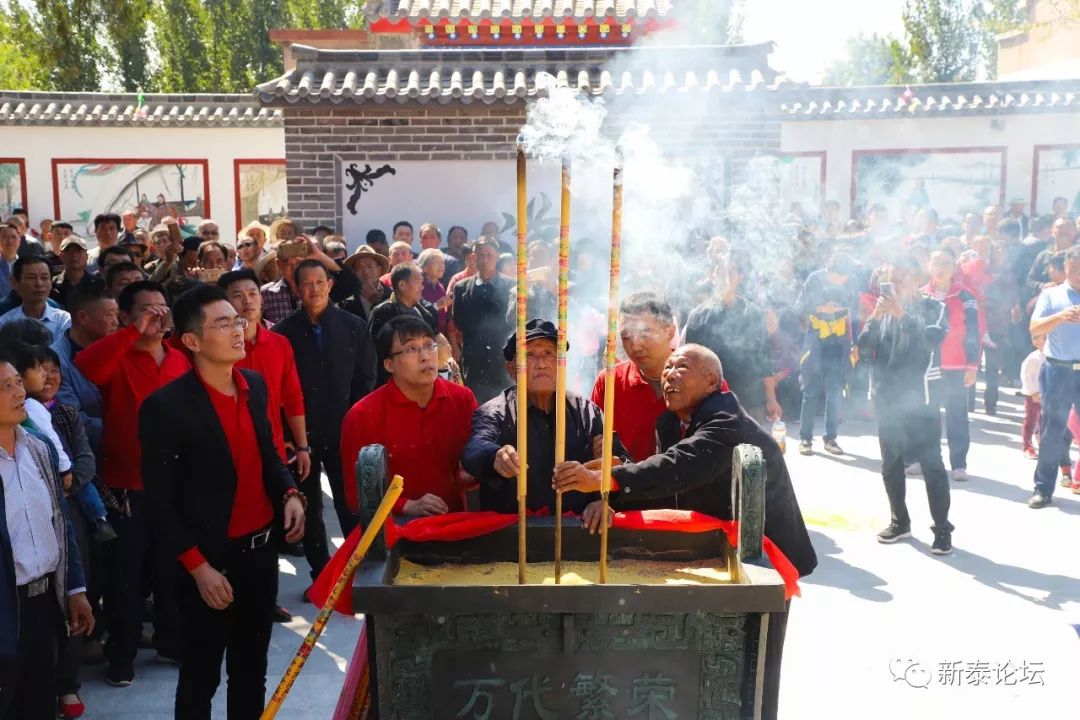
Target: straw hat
(366,251)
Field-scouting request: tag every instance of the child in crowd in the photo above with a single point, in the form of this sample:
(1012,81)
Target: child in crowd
(39,367)
(1029,388)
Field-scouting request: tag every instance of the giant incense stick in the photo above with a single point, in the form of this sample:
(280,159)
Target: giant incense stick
(560,371)
(609,369)
(370,532)
(522,397)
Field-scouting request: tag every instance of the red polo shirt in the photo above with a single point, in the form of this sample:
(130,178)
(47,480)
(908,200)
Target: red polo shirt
(126,376)
(423,445)
(271,356)
(251,510)
(637,408)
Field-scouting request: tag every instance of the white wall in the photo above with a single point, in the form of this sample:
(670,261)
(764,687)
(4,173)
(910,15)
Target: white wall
(1019,133)
(219,146)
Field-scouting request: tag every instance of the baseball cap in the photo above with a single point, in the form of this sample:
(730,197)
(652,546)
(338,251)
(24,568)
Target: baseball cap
(535,329)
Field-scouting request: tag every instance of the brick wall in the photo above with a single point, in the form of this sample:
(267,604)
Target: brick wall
(318,138)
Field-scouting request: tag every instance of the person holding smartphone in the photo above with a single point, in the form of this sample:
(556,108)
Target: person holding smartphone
(902,342)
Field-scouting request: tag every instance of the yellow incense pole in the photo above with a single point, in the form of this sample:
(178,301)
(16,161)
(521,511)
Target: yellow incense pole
(609,369)
(522,396)
(560,371)
(370,532)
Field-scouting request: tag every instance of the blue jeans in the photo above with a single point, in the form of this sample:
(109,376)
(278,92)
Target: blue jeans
(1060,388)
(829,377)
(90,504)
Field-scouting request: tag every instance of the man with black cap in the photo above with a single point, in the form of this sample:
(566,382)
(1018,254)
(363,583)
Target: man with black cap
(490,455)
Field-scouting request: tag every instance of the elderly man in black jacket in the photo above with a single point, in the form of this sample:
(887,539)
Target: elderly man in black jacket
(697,435)
(335,358)
(490,455)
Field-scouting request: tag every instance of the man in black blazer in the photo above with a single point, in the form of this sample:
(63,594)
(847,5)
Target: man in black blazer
(481,306)
(214,482)
(335,357)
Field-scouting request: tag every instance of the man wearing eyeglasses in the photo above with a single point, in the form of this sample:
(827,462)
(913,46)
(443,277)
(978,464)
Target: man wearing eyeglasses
(213,481)
(270,355)
(421,419)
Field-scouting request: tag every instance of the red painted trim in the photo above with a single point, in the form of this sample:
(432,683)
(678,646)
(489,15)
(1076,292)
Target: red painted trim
(56,162)
(21,162)
(856,154)
(1035,170)
(236,180)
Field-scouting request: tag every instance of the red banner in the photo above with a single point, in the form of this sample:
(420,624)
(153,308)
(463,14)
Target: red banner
(461,526)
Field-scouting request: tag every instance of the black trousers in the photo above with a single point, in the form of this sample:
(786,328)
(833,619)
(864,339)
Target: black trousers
(315,546)
(327,456)
(240,634)
(71,648)
(28,682)
(909,435)
(127,559)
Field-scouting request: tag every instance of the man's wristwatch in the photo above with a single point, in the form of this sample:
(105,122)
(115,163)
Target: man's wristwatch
(305,449)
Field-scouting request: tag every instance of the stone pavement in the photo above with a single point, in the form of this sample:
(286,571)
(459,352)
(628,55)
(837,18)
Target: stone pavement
(883,632)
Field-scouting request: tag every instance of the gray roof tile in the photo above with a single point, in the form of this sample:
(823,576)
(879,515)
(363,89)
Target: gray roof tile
(570,10)
(122,109)
(500,75)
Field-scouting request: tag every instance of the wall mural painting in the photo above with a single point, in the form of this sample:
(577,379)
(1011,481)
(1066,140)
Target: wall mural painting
(952,181)
(12,185)
(154,188)
(1056,174)
(261,191)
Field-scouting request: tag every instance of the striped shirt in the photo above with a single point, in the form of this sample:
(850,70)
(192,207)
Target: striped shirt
(29,514)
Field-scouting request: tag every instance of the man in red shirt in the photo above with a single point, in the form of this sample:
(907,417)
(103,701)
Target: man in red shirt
(422,420)
(647,330)
(127,366)
(271,355)
(213,480)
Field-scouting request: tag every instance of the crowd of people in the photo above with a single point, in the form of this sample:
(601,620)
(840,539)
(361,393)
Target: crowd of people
(171,400)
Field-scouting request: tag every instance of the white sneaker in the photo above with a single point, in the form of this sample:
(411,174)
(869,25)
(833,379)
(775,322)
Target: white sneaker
(913,469)
(960,475)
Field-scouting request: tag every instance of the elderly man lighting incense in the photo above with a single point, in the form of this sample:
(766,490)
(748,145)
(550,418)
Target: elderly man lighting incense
(702,426)
(490,455)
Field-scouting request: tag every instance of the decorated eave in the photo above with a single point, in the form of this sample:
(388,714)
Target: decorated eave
(499,75)
(133,110)
(940,100)
(508,21)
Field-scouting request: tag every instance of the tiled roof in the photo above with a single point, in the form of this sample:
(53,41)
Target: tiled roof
(570,10)
(109,110)
(500,75)
(952,99)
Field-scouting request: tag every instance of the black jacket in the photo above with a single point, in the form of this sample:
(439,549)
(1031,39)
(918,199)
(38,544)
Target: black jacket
(480,314)
(495,425)
(738,337)
(905,354)
(336,376)
(187,467)
(693,472)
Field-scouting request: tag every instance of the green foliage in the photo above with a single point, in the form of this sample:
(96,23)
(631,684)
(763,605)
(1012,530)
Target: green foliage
(871,60)
(154,45)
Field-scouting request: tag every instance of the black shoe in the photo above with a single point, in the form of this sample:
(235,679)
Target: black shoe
(120,675)
(832,448)
(991,410)
(281,615)
(305,596)
(942,542)
(103,531)
(1038,500)
(806,447)
(893,533)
